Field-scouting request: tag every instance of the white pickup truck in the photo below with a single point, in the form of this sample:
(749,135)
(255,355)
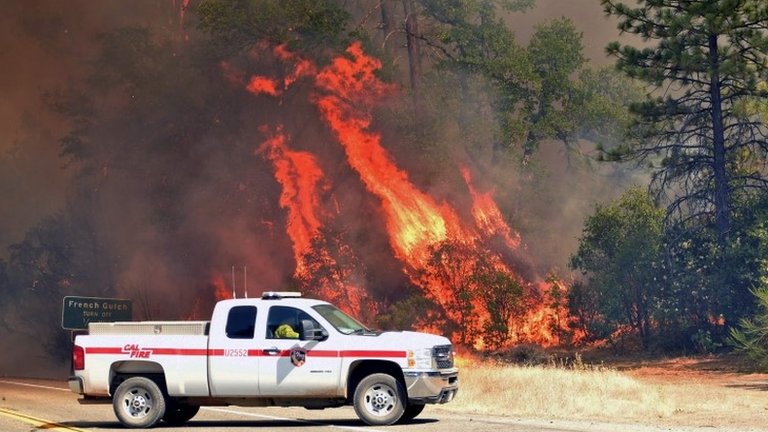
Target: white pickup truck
(278,350)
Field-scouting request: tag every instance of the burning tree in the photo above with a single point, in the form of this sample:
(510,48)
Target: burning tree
(454,268)
(502,297)
(332,271)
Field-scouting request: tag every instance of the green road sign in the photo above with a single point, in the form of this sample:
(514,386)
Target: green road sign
(77,312)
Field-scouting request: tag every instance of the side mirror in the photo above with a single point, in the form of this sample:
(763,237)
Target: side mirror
(310,332)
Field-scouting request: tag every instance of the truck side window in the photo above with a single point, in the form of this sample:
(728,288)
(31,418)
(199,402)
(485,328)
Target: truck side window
(284,322)
(241,322)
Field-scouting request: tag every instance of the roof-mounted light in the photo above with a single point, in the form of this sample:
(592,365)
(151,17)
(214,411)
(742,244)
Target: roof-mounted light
(277,295)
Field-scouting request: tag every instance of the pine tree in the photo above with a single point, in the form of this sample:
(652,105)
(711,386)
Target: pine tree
(703,59)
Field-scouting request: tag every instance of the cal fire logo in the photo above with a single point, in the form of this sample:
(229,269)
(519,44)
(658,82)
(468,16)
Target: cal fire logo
(135,351)
(298,356)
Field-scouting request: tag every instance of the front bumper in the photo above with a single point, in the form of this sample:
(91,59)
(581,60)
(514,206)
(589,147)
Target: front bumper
(432,386)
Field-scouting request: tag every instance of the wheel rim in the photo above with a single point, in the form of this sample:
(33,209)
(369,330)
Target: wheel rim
(380,400)
(137,402)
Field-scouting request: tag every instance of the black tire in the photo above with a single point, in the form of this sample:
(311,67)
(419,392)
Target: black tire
(138,403)
(176,414)
(411,411)
(379,400)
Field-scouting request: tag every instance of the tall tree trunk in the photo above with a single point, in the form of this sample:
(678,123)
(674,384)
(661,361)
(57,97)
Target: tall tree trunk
(722,193)
(414,51)
(388,26)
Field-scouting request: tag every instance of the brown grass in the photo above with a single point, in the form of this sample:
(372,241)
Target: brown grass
(659,395)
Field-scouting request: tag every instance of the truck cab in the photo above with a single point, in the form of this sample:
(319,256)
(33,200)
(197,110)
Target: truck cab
(277,350)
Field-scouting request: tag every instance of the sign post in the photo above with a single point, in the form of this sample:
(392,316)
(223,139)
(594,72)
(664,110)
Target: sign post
(77,312)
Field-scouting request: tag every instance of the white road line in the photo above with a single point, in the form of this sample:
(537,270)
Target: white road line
(34,385)
(313,423)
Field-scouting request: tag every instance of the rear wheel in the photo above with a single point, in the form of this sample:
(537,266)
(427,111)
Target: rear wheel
(138,402)
(411,411)
(379,400)
(177,413)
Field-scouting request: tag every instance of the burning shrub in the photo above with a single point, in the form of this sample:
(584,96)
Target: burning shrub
(527,354)
(501,297)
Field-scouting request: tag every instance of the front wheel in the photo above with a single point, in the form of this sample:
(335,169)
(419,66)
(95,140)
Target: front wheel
(411,411)
(176,413)
(138,403)
(379,400)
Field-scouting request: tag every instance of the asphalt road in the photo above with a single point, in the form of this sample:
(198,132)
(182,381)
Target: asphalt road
(31,405)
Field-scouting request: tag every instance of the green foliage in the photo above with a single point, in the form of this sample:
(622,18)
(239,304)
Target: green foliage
(240,24)
(705,343)
(540,92)
(415,311)
(501,294)
(620,252)
(632,264)
(751,338)
(746,259)
(584,307)
(701,147)
(712,285)
(600,98)
(455,265)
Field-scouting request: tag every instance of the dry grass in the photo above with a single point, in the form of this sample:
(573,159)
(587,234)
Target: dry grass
(589,393)
(557,392)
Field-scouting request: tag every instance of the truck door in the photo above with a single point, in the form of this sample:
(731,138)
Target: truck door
(233,358)
(294,367)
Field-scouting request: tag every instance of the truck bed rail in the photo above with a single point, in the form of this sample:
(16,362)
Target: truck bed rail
(185,328)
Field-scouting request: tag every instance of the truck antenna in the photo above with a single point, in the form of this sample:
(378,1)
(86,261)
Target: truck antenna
(245,280)
(234,292)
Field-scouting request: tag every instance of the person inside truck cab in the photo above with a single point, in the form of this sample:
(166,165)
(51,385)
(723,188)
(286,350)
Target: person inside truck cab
(285,322)
(282,323)
(286,331)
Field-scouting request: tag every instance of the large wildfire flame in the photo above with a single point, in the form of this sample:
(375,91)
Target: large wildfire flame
(302,182)
(441,253)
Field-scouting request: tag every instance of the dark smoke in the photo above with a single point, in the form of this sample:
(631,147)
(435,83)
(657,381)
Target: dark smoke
(169,184)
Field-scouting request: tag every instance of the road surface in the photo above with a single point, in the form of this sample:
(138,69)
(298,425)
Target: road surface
(32,405)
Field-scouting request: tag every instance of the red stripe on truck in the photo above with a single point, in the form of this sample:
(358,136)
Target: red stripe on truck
(218,352)
(178,351)
(373,353)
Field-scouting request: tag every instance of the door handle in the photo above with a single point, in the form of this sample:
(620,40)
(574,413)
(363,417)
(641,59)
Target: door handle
(273,351)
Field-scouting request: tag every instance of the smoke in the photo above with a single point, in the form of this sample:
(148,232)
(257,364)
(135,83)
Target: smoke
(45,46)
(588,16)
(172,186)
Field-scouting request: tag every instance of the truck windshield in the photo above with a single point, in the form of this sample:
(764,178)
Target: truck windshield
(338,319)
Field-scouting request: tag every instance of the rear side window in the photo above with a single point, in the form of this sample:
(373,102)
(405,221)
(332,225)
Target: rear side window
(241,322)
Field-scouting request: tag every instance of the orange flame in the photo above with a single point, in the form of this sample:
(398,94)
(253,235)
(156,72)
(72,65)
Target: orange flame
(263,85)
(301,67)
(441,254)
(414,220)
(220,288)
(302,181)
(487,214)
